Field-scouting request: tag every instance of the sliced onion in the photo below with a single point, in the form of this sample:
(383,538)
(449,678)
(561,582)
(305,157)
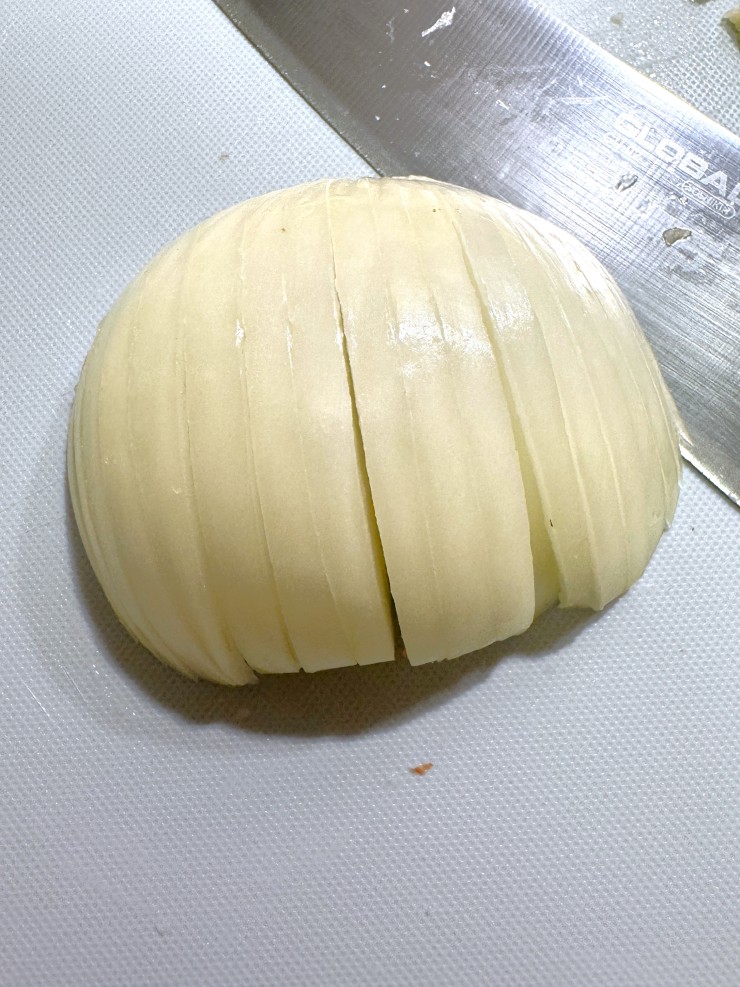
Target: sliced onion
(360,396)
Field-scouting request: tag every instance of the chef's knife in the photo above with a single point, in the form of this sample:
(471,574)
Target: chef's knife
(501,96)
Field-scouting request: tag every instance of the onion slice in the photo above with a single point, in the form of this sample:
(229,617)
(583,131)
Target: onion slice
(441,457)
(320,528)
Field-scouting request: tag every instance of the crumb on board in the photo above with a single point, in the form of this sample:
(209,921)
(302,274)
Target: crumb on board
(421,769)
(674,235)
(224,156)
(626,182)
(617,19)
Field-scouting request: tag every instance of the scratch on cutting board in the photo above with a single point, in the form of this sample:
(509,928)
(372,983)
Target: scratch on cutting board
(37,700)
(445,20)
(72,683)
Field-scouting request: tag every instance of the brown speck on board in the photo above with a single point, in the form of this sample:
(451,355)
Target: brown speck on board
(421,769)
(282,229)
(224,157)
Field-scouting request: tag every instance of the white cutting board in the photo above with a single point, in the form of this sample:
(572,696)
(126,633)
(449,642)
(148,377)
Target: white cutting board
(580,824)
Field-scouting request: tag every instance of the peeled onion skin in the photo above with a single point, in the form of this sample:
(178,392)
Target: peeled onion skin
(355,401)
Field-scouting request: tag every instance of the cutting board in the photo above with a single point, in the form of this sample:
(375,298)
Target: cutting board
(580,822)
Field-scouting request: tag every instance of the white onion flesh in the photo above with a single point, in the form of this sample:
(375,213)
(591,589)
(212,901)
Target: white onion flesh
(358,395)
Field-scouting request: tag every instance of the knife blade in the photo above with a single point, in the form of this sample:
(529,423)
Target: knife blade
(501,96)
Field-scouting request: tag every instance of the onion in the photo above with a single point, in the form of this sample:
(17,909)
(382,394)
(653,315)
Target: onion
(359,400)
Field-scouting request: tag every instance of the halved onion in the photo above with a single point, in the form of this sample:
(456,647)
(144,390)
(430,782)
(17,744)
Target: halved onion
(358,397)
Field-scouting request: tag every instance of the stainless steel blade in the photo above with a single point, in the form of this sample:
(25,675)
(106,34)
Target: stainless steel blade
(501,96)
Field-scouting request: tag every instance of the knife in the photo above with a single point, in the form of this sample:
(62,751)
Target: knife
(501,96)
